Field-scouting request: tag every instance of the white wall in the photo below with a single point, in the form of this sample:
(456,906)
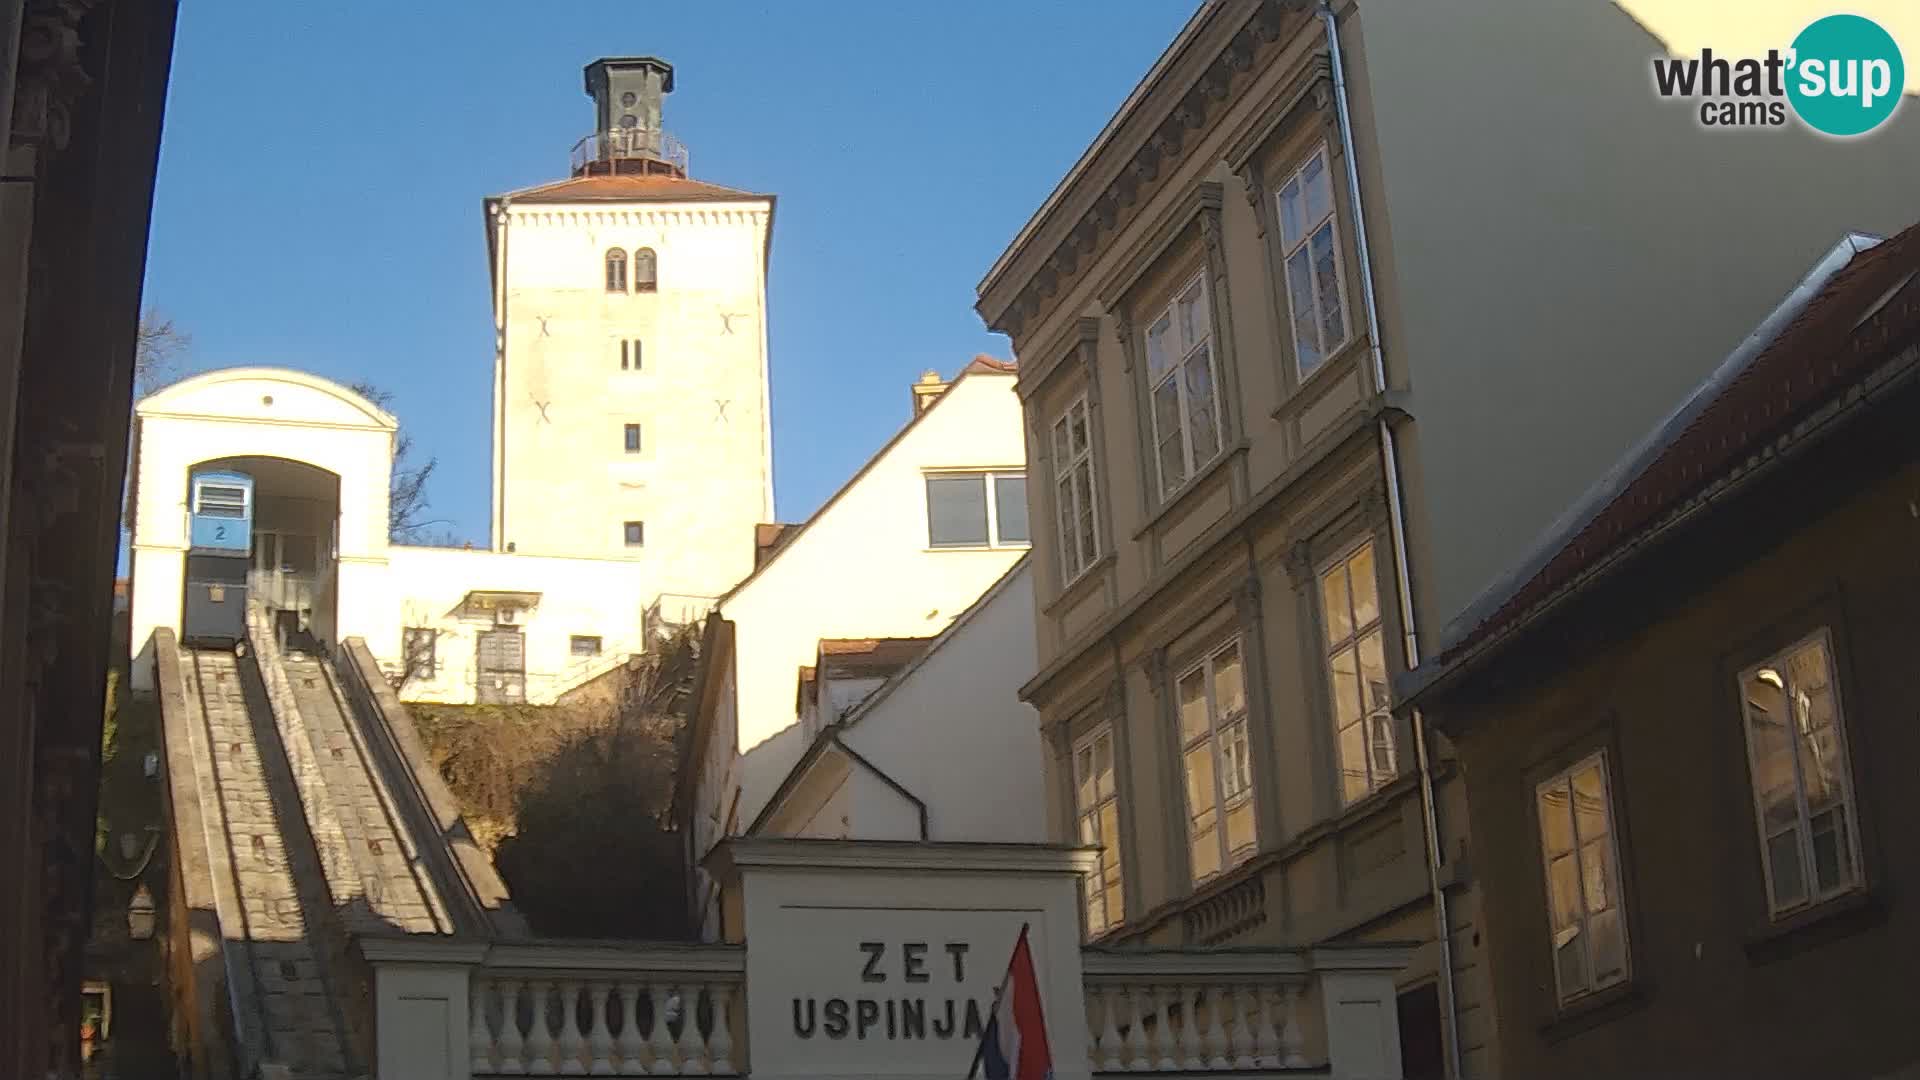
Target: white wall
(263,412)
(862,567)
(577,596)
(565,482)
(954,727)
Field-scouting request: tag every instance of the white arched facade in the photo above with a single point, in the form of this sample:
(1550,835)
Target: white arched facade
(258,413)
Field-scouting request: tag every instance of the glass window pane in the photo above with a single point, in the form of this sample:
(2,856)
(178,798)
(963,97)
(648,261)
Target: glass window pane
(1110,833)
(1078,417)
(1166,426)
(1570,961)
(1010,509)
(1229,682)
(1205,850)
(1236,761)
(1832,852)
(1596,874)
(1326,280)
(1103,765)
(1353,763)
(1070,556)
(1306,325)
(1062,444)
(1590,807)
(1159,349)
(1193,706)
(1770,749)
(1083,777)
(1083,489)
(1563,880)
(1291,225)
(1200,799)
(1116,901)
(1821,759)
(1384,746)
(1089,830)
(1193,316)
(1096,911)
(1607,941)
(1240,830)
(1319,189)
(1365,584)
(1345,685)
(1373,674)
(1201,406)
(956,510)
(1556,821)
(1335,605)
(1783,859)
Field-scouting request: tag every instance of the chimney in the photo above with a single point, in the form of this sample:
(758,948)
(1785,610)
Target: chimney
(929,388)
(628,136)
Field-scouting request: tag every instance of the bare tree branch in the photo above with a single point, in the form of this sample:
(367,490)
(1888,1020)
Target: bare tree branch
(407,501)
(157,348)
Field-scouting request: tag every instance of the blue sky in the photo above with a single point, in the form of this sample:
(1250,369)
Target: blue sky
(318,202)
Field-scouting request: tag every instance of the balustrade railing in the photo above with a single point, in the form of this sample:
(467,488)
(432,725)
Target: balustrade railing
(668,1012)
(1195,1012)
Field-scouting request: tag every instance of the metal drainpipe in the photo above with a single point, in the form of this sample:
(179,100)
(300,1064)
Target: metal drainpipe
(503,210)
(1396,516)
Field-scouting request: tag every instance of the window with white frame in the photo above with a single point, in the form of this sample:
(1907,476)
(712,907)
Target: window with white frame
(1096,806)
(1802,788)
(616,270)
(1183,385)
(977,509)
(1073,490)
(1310,252)
(1587,918)
(1364,739)
(1217,762)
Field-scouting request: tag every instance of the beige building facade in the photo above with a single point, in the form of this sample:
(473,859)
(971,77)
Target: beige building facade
(1281,329)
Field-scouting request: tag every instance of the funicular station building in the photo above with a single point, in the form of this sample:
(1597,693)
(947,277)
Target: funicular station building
(862,793)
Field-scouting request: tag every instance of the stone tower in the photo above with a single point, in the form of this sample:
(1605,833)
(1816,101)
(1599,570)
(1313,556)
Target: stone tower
(630,376)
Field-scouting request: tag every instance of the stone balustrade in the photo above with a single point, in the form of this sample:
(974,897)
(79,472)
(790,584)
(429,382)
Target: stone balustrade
(1195,1011)
(543,1008)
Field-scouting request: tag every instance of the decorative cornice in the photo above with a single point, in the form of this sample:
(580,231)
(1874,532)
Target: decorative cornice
(1153,159)
(629,216)
(51,75)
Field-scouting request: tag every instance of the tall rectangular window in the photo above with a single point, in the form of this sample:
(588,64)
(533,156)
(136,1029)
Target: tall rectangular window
(1357,675)
(983,509)
(629,354)
(1182,383)
(584,644)
(1310,249)
(633,438)
(636,533)
(1583,878)
(1096,805)
(1802,785)
(1073,489)
(1217,762)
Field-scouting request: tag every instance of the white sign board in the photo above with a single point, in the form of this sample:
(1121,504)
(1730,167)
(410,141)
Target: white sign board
(891,973)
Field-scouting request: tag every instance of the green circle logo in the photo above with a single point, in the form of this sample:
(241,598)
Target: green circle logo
(1846,75)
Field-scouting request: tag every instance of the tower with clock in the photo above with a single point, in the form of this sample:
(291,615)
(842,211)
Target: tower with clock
(630,375)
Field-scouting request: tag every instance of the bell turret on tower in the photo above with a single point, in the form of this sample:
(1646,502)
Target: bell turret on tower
(628,136)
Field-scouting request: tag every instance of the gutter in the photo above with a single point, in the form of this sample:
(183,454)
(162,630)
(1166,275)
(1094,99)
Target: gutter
(1403,579)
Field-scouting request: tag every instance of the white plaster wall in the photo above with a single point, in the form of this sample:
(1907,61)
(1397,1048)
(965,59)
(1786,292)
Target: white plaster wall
(577,596)
(265,412)
(955,729)
(863,567)
(565,483)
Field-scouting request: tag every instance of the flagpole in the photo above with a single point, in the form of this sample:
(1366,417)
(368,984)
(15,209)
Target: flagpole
(980,1049)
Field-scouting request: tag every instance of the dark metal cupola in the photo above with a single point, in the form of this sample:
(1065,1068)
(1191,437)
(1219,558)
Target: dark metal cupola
(628,137)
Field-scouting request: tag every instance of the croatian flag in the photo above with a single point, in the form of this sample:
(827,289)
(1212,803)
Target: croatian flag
(1014,1046)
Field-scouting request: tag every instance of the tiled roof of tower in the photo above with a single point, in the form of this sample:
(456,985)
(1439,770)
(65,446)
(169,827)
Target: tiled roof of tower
(1846,328)
(630,188)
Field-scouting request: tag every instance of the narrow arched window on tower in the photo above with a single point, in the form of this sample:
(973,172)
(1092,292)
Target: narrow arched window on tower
(617,270)
(646,270)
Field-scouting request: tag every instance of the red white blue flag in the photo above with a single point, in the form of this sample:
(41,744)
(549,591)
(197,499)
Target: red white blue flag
(1014,1046)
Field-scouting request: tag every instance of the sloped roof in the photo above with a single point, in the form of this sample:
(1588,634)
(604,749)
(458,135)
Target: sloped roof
(630,188)
(1799,360)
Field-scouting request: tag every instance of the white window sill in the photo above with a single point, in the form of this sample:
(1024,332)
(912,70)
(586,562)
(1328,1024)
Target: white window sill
(976,548)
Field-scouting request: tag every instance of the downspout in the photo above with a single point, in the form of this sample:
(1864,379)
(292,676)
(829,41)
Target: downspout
(1396,516)
(502,219)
